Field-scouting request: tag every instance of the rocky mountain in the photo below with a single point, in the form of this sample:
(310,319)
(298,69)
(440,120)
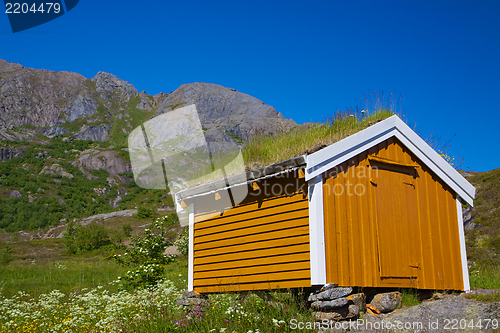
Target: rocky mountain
(227,115)
(63,140)
(67,104)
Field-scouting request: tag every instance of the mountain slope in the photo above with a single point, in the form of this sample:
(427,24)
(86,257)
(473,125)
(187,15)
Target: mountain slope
(63,140)
(482,223)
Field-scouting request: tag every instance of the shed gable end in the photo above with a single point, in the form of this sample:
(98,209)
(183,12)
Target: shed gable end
(390,221)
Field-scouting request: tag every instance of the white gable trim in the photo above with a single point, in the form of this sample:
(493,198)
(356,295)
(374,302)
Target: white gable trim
(191,249)
(339,152)
(463,251)
(316,232)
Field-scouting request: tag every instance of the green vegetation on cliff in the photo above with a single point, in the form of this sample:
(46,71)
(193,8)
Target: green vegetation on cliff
(483,238)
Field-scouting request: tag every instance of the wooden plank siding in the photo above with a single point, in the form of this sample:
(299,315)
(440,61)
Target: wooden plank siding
(261,244)
(390,224)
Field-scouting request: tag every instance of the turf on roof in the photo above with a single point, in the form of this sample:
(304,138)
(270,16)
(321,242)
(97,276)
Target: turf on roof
(301,140)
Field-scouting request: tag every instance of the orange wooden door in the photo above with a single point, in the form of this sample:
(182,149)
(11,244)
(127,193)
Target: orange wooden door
(396,220)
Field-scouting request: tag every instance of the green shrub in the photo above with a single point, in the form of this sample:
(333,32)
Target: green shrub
(182,242)
(80,239)
(116,237)
(127,229)
(6,255)
(146,256)
(170,219)
(145,213)
(100,173)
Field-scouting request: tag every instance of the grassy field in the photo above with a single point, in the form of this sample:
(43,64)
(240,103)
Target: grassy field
(72,274)
(68,275)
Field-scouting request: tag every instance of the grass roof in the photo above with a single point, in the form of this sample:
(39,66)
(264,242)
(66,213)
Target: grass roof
(267,150)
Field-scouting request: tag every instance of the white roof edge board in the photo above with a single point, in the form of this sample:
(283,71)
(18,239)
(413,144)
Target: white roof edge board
(339,152)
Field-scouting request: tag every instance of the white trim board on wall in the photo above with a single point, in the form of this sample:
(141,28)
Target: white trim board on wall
(463,251)
(339,152)
(316,232)
(191,249)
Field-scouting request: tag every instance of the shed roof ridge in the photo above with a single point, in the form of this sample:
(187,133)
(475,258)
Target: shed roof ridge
(340,151)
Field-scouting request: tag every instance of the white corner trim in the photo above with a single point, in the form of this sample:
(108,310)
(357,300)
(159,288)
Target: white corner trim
(339,152)
(463,251)
(317,232)
(191,248)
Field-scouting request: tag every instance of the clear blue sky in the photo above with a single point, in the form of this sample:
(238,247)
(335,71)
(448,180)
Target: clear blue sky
(305,59)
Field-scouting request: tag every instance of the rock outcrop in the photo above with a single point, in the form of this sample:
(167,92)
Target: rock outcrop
(227,115)
(55,169)
(94,133)
(107,160)
(8,153)
(108,84)
(48,99)
(38,97)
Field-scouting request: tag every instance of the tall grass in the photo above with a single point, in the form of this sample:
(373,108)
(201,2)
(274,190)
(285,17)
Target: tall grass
(262,151)
(486,278)
(74,274)
(225,314)
(67,276)
(409,297)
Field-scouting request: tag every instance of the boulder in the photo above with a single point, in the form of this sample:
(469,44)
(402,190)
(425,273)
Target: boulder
(191,302)
(116,201)
(387,302)
(353,311)
(343,313)
(330,294)
(335,316)
(192,299)
(15,194)
(329,286)
(359,300)
(192,294)
(330,305)
(472,225)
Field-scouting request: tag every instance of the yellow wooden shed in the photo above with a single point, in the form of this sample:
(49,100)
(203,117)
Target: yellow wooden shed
(378,209)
